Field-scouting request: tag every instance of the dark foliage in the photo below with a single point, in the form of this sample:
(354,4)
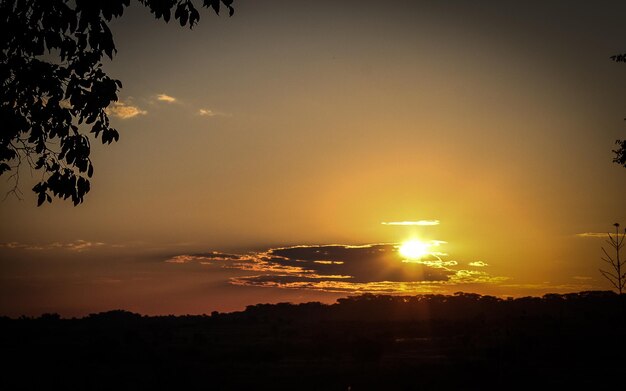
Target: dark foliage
(465,341)
(620,152)
(619,57)
(54,91)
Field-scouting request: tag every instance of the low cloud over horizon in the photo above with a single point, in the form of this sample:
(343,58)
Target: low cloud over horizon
(603,235)
(418,222)
(78,245)
(375,268)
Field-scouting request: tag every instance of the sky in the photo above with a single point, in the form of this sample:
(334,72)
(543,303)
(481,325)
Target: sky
(286,154)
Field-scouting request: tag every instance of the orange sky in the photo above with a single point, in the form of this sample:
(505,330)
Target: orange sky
(311,123)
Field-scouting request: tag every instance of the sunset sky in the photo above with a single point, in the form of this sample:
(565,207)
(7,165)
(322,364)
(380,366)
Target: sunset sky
(287,152)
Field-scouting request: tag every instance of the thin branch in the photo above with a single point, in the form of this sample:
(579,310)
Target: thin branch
(608,274)
(607,261)
(608,256)
(610,280)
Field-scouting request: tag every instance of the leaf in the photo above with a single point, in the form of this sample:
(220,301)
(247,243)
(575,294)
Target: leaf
(4,167)
(41,198)
(216,6)
(183,18)
(229,5)
(194,17)
(40,162)
(179,10)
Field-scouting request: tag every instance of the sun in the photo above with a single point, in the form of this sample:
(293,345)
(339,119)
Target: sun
(414,249)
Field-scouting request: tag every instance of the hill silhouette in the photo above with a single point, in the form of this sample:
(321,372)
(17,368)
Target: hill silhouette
(463,341)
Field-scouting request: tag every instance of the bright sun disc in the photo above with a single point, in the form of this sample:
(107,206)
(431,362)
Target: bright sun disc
(414,249)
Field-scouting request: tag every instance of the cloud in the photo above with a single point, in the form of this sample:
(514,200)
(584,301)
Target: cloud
(211,113)
(380,262)
(474,277)
(183,259)
(124,111)
(77,245)
(419,222)
(166,98)
(547,287)
(340,268)
(582,278)
(12,245)
(478,264)
(593,235)
(214,256)
(382,287)
(207,113)
(80,245)
(436,263)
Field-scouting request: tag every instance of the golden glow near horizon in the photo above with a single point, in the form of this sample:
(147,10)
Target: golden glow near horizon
(335,135)
(414,249)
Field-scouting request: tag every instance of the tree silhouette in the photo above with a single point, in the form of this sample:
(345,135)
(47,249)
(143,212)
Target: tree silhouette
(620,152)
(617,276)
(54,91)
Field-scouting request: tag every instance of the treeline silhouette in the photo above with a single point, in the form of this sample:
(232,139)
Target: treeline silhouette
(463,341)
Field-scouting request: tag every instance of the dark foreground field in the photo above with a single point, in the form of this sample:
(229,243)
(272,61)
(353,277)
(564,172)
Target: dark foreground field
(424,342)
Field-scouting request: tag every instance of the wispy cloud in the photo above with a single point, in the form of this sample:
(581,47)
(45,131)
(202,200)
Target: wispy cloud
(547,287)
(419,222)
(475,277)
(202,111)
(212,256)
(166,98)
(593,235)
(341,268)
(124,110)
(183,259)
(341,286)
(209,113)
(77,245)
(435,262)
(478,264)
(206,113)
(80,245)
(12,245)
